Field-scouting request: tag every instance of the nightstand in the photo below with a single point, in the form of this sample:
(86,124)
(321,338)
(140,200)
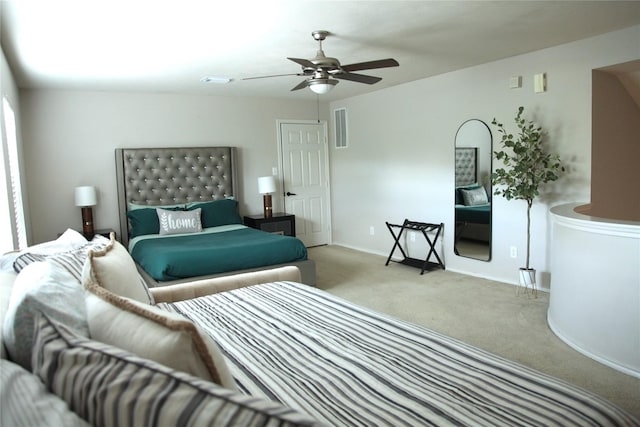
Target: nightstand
(279,223)
(99,232)
(102,232)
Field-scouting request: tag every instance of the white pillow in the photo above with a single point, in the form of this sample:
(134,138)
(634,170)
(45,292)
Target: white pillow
(113,268)
(68,241)
(152,333)
(72,260)
(176,222)
(6,285)
(46,287)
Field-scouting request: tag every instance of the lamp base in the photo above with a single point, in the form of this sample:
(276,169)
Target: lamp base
(87,221)
(268,208)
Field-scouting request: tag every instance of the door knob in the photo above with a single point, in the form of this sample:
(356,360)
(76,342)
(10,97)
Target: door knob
(291,194)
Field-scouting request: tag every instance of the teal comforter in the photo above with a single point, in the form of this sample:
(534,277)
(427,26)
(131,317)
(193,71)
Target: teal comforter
(199,254)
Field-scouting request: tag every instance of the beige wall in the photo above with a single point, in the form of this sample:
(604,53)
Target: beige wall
(615,150)
(70,137)
(400,159)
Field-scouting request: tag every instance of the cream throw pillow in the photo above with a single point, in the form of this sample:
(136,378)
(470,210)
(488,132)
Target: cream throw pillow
(155,334)
(114,269)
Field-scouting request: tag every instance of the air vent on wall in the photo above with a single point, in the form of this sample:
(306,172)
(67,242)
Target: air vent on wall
(340,125)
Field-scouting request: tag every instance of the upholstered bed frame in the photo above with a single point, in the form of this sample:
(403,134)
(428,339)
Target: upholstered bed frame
(466,166)
(166,176)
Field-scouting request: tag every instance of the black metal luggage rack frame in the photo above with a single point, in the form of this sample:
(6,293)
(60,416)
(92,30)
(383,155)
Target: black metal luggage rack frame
(423,264)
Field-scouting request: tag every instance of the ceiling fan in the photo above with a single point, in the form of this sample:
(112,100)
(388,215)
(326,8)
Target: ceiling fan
(323,71)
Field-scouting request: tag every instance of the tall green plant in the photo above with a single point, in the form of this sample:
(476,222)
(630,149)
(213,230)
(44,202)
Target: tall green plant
(527,165)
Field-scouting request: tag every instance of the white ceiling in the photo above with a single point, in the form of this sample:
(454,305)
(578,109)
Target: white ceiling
(168,46)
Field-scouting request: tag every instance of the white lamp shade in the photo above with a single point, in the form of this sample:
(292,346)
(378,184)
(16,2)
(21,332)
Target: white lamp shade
(322,86)
(86,196)
(266,184)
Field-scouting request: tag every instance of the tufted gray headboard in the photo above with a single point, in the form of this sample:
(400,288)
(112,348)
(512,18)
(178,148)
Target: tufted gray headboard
(466,166)
(166,176)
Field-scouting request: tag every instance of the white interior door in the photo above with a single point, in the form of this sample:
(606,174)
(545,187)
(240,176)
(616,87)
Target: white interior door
(304,166)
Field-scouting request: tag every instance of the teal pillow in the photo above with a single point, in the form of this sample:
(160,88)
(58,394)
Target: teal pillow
(217,212)
(145,221)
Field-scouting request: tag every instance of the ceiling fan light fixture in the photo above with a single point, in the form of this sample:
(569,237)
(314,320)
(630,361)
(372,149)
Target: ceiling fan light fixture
(322,86)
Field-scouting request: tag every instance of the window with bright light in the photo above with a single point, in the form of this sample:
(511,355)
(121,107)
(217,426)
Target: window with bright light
(13,228)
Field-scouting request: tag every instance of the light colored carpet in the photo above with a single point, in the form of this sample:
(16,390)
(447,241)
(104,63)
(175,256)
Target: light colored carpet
(487,314)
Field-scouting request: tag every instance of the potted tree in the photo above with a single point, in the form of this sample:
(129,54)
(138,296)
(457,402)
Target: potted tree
(527,166)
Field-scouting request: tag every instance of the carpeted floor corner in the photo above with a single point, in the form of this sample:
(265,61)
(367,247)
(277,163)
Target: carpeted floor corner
(488,314)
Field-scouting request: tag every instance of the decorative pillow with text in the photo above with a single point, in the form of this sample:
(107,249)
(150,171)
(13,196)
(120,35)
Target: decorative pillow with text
(176,222)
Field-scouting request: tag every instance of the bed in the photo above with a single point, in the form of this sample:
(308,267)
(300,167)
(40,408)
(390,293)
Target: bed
(349,366)
(472,202)
(197,231)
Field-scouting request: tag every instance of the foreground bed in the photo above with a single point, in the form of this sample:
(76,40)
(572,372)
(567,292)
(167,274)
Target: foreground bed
(85,334)
(346,365)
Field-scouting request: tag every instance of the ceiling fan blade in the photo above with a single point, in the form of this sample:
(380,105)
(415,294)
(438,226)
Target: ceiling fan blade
(303,62)
(274,75)
(360,78)
(370,65)
(301,85)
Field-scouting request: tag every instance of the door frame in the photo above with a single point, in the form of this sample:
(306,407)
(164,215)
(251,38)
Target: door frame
(324,123)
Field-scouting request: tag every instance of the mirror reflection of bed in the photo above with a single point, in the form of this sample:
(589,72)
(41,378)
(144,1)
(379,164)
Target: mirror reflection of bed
(473,145)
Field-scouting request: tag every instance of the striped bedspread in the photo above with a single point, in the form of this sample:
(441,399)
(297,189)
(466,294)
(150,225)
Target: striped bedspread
(349,366)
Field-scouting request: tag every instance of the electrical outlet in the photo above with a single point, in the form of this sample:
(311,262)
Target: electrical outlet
(372,230)
(412,236)
(514,252)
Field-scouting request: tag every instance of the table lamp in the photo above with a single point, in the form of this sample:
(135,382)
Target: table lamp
(266,186)
(85,199)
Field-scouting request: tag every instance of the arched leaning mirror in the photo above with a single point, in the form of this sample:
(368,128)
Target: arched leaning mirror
(473,190)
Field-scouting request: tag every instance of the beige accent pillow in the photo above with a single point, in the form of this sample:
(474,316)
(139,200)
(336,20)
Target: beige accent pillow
(114,269)
(155,334)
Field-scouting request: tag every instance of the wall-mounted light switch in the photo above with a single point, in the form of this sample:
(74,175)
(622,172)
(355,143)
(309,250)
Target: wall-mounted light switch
(515,82)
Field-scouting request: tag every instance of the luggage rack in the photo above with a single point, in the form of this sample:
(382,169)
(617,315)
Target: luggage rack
(424,228)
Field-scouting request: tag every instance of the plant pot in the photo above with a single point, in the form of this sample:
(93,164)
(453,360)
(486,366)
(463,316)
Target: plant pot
(528,281)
